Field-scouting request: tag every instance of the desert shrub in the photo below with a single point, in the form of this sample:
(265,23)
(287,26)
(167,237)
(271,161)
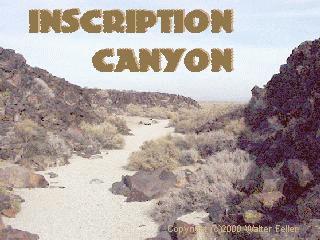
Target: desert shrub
(105,134)
(182,142)
(157,112)
(189,157)
(237,127)
(168,152)
(38,148)
(120,124)
(187,120)
(43,87)
(58,146)
(45,151)
(209,143)
(4,96)
(154,154)
(134,110)
(210,184)
(28,129)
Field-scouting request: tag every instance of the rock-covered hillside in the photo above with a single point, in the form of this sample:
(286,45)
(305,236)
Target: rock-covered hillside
(284,118)
(32,98)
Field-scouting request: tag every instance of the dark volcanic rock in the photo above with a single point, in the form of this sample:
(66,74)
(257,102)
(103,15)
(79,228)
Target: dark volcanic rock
(121,99)
(144,186)
(308,204)
(286,113)
(284,118)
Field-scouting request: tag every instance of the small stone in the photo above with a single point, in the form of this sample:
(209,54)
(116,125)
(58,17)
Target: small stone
(96,181)
(52,175)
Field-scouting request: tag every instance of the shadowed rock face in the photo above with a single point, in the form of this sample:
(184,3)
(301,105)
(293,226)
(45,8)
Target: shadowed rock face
(284,118)
(286,113)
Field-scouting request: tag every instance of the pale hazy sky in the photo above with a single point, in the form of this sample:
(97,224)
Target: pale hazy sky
(265,32)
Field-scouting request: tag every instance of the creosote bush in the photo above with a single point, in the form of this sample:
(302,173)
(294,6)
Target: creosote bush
(210,184)
(154,154)
(105,134)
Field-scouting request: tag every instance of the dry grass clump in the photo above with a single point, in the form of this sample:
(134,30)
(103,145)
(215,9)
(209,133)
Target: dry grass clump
(105,134)
(210,184)
(209,143)
(188,120)
(154,154)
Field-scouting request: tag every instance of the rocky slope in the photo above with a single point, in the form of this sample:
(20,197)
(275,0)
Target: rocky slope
(284,118)
(36,106)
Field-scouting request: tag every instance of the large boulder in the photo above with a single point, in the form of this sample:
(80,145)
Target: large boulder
(19,177)
(144,186)
(14,234)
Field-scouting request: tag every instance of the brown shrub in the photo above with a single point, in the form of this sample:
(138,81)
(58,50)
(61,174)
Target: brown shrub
(237,127)
(210,184)
(154,154)
(187,120)
(189,157)
(28,129)
(119,123)
(209,143)
(105,134)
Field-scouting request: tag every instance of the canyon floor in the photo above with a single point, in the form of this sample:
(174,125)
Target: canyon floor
(79,205)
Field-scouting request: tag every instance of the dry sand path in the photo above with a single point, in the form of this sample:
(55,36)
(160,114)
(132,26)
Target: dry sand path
(89,211)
